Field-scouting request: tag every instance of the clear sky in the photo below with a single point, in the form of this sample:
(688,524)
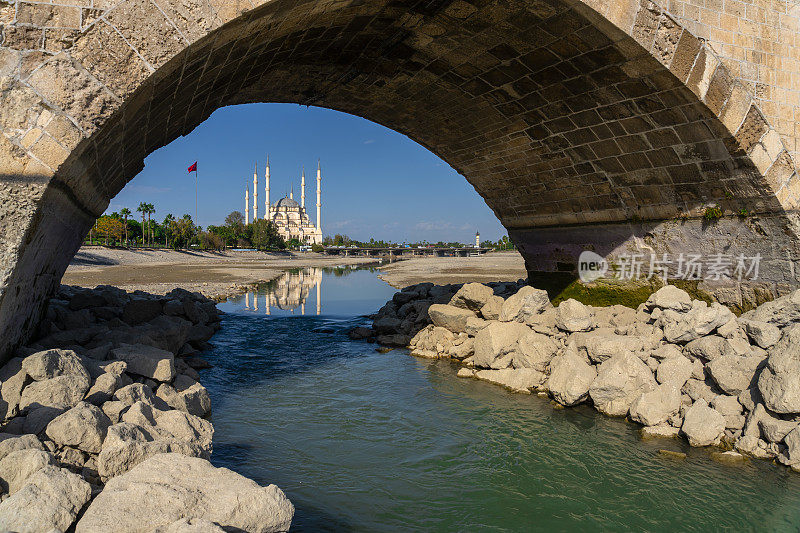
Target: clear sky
(375,182)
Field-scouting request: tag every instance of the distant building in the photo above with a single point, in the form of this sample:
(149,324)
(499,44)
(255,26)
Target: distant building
(289,217)
(477,239)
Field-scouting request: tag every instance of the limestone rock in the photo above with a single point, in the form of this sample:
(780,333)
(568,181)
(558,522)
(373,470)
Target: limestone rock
(139,310)
(147,361)
(697,389)
(703,425)
(84,427)
(792,441)
(657,406)
(524,305)
(669,297)
(474,325)
(534,350)
(168,487)
(65,390)
(492,308)
(12,443)
(779,382)
(18,466)
(496,343)
(190,396)
(516,379)
(774,429)
(127,445)
(763,334)
(472,296)
(619,381)
(38,418)
(135,392)
(13,379)
(141,414)
(570,378)
(450,317)
(600,346)
(51,363)
(50,500)
(699,321)
(186,428)
(780,312)
(663,431)
(465,372)
(572,316)
(733,373)
(674,370)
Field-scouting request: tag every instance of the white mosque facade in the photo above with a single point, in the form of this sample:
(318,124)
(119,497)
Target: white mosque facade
(290,217)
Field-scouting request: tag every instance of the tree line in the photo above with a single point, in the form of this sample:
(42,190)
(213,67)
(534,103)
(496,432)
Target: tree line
(122,229)
(503,243)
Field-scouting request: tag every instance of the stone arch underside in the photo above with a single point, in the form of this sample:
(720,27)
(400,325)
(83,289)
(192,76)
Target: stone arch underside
(582,124)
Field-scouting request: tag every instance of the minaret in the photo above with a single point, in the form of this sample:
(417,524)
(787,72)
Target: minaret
(303,188)
(291,193)
(267,205)
(255,193)
(246,203)
(319,200)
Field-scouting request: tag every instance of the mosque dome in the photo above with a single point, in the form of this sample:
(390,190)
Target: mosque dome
(287,202)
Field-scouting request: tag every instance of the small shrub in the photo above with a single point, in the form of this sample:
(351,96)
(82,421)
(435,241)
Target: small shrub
(712,212)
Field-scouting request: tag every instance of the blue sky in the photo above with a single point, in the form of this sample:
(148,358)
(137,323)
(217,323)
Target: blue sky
(375,182)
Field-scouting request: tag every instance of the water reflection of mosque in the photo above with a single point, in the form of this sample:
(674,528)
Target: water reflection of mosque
(288,292)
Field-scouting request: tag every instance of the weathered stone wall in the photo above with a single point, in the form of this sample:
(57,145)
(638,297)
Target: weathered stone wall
(558,112)
(757,41)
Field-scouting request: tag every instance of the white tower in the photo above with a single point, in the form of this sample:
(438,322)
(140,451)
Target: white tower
(477,239)
(267,206)
(319,198)
(255,193)
(303,188)
(246,203)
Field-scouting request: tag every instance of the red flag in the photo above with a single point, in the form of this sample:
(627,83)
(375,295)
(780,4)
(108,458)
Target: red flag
(193,168)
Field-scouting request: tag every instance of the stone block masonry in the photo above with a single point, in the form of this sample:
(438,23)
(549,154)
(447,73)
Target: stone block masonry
(565,113)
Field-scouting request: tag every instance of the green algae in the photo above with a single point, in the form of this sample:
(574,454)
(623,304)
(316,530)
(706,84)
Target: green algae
(562,286)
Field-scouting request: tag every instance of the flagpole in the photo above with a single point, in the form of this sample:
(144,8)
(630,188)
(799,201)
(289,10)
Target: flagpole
(195,195)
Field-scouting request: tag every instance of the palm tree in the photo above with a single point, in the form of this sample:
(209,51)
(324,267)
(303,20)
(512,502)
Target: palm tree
(150,210)
(125,212)
(143,210)
(168,220)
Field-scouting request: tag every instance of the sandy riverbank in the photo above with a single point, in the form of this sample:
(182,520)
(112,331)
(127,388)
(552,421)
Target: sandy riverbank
(215,275)
(495,266)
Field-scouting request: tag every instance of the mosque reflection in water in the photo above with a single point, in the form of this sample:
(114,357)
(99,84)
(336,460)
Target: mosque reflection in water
(288,293)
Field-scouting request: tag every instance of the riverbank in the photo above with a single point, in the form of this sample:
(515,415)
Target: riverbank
(105,424)
(679,367)
(489,267)
(215,275)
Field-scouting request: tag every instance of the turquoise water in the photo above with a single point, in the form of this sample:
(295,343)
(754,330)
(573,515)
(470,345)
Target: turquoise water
(363,441)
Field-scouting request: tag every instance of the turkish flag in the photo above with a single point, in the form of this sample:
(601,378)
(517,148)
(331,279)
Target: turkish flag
(193,168)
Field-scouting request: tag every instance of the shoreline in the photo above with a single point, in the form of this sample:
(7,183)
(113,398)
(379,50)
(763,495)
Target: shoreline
(217,276)
(678,367)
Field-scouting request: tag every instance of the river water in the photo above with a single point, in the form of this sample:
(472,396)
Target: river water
(364,441)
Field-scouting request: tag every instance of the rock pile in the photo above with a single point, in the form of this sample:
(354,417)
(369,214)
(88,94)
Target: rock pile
(106,404)
(675,365)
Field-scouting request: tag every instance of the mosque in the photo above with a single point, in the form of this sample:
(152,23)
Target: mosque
(289,217)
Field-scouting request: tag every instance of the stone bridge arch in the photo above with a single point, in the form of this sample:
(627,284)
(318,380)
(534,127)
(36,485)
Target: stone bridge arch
(606,124)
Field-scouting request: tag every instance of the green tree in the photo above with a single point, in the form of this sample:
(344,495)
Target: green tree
(264,235)
(167,225)
(143,210)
